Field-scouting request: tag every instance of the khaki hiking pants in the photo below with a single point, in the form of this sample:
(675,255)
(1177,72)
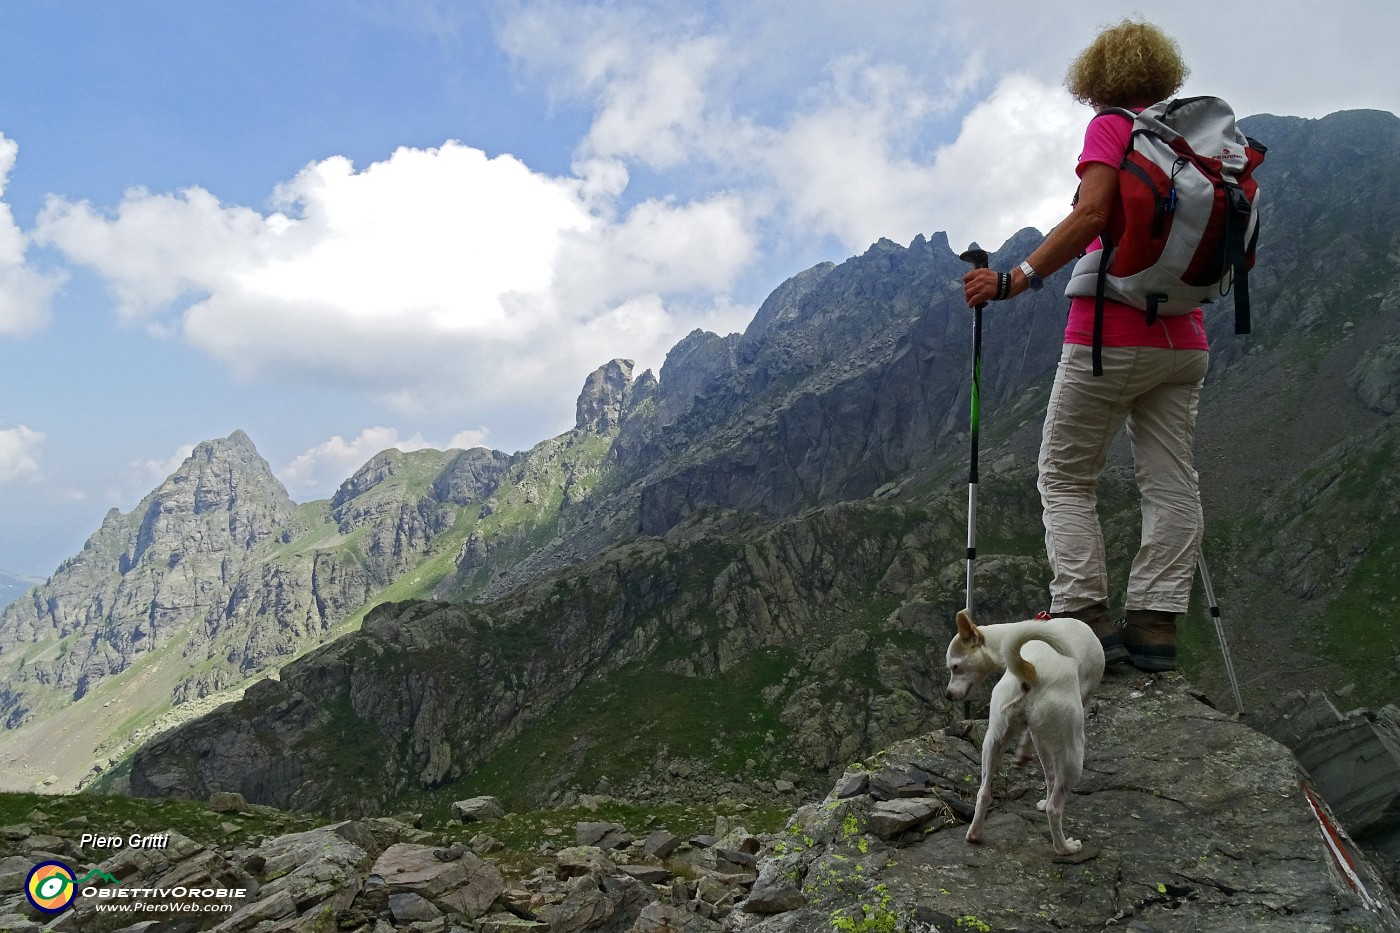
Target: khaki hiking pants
(1155,392)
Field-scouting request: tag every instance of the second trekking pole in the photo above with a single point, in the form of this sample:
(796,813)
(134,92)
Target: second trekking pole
(1214,605)
(978,258)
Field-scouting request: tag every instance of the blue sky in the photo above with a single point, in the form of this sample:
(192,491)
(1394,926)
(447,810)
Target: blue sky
(342,226)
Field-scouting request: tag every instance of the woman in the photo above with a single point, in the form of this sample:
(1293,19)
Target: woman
(1151,381)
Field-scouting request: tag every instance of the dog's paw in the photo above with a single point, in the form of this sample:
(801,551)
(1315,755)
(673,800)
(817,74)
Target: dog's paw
(1042,804)
(1070,847)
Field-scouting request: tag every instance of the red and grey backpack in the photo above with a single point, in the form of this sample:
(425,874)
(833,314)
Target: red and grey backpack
(1185,226)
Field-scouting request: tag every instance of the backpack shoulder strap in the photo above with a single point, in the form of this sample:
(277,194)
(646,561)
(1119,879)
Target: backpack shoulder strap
(1121,111)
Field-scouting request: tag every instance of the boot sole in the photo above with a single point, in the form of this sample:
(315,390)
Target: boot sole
(1152,658)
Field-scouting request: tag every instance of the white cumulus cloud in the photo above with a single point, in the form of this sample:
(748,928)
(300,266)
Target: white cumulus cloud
(1011,166)
(20,454)
(435,278)
(26,294)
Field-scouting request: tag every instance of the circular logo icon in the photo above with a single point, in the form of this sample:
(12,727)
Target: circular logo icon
(50,887)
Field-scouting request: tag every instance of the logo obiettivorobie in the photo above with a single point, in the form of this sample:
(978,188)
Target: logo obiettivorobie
(50,887)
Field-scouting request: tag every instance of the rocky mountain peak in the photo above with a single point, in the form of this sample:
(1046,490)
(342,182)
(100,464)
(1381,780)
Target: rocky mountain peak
(145,575)
(226,480)
(603,400)
(376,470)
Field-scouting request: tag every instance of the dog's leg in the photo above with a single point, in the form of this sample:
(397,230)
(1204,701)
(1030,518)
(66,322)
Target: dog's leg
(1047,765)
(999,732)
(1067,768)
(1026,750)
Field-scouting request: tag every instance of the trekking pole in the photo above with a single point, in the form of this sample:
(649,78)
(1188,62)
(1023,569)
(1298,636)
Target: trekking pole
(1219,630)
(978,258)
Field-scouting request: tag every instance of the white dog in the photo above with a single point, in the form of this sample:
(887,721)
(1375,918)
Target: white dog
(1051,668)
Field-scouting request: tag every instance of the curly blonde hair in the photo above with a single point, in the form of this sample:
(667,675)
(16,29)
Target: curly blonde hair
(1132,63)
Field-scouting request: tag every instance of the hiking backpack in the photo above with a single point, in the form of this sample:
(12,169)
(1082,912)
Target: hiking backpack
(1184,230)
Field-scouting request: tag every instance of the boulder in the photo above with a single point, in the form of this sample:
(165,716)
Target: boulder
(601,905)
(466,885)
(14,870)
(225,801)
(774,892)
(318,867)
(660,844)
(890,818)
(602,835)
(478,810)
(581,860)
(647,874)
(668,918)
(407,907)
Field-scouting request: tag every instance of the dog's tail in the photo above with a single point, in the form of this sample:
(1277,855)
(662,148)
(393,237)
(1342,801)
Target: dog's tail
(1034,630)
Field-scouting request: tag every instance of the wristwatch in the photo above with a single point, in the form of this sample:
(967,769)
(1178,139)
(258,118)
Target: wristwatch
(1033,278)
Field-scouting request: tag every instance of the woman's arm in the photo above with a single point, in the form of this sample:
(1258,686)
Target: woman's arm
(1098,190)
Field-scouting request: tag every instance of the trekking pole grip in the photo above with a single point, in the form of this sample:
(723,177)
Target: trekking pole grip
(979,260)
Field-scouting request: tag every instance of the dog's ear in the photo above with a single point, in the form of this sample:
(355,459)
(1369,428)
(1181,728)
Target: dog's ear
(967,631)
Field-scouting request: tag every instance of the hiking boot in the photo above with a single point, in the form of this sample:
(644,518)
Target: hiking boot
(1095,615)
(1150,638)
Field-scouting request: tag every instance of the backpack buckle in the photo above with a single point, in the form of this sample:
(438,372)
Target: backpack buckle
(1154,301)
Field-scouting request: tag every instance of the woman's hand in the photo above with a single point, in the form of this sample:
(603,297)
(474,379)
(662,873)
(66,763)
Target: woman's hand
(980,286)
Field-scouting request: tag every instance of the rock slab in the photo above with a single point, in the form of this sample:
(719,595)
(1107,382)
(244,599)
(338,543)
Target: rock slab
(1190,820)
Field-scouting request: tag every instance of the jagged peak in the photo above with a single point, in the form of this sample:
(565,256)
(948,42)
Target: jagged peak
(604,397)
(238,449)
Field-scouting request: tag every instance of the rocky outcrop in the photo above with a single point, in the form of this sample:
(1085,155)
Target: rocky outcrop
(1377,379)
(471,476)
(605,398)
(1190,821)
